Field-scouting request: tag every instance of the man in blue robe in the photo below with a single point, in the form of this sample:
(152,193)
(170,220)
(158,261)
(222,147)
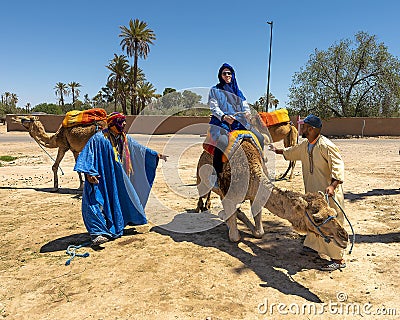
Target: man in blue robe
(119,175)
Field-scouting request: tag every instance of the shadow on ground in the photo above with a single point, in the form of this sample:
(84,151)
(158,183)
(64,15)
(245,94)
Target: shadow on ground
(50,190)
(275,258)
(376,238)
(374,192)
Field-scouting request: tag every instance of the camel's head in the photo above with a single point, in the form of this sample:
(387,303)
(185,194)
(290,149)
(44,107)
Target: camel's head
(320,219)
(26,121)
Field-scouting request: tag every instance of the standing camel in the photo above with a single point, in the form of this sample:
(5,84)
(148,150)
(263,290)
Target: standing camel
(66,138)
(244,178)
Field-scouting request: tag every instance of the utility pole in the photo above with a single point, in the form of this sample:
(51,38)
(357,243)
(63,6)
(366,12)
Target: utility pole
(271,23)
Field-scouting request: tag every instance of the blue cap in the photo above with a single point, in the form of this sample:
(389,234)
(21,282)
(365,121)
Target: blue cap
(312,120)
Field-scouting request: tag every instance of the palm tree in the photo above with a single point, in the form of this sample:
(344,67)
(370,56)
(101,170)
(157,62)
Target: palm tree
(14,99)
(119,69)
(136,40)
(9,101)
(140,77)
(61,91)
(145,92)
(75,91)
(275,102)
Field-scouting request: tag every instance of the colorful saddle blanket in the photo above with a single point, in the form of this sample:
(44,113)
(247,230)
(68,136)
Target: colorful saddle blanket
(275,117)
(234,137)
(76,117)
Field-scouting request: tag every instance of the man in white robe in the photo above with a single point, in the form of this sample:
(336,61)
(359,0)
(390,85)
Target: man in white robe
(323,170)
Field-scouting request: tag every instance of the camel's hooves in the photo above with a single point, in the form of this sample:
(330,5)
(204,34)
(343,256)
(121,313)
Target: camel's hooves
(235,238)
(258,235)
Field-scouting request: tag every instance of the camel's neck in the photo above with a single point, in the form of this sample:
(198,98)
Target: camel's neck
(37,132)
(288,205)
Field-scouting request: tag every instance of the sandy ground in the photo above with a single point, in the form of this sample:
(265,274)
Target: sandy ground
(153,272)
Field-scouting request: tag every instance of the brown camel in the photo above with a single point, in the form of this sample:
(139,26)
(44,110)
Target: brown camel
(244,178)
(71,138)
(285,131)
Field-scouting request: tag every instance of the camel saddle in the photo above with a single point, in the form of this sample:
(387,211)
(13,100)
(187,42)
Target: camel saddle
(77,117)
(275,117)
(234,139)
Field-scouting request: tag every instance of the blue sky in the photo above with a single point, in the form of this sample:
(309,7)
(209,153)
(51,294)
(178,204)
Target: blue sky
(45,42)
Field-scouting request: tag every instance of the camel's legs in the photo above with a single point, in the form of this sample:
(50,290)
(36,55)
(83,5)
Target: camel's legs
(292,165)
(204,206)
(204,187)
(290,140)
(60,155)
(230,213)
(259,230)
(291,168)
(242,217)
(76,154)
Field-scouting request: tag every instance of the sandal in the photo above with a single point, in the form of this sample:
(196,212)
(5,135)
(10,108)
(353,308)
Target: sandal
(99,240)
(333,266)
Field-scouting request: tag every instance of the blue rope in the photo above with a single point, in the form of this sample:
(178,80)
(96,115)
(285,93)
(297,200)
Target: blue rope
(71,251)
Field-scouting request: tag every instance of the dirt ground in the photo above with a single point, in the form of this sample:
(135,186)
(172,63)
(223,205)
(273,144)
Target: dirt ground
(153,272)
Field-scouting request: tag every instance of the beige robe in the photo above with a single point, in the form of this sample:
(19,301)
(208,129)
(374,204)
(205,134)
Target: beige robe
(319,167)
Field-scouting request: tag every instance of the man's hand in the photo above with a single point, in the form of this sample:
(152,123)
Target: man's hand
(330,190)
(272,148)
(92,179)
(163,156)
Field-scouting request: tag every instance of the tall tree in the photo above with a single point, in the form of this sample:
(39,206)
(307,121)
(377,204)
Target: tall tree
(168,90)
(351,78)
(119,68)
(260,104)
(74,87)
(145,93)
(140,77)
(61,91)
(136,39)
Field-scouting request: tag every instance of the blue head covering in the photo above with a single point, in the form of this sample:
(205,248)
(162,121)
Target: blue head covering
(232,88)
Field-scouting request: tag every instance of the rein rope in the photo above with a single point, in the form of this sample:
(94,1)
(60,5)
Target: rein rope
(71,251)
(326,238)
(348,221)
(59,167)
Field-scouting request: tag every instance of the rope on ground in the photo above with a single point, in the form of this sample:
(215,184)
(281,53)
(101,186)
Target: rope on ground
(71,251)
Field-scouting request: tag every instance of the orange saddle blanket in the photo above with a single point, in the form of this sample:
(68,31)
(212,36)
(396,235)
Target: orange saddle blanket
(76,117)
(274,117)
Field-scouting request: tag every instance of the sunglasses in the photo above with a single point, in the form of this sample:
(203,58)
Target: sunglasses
(226,73)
